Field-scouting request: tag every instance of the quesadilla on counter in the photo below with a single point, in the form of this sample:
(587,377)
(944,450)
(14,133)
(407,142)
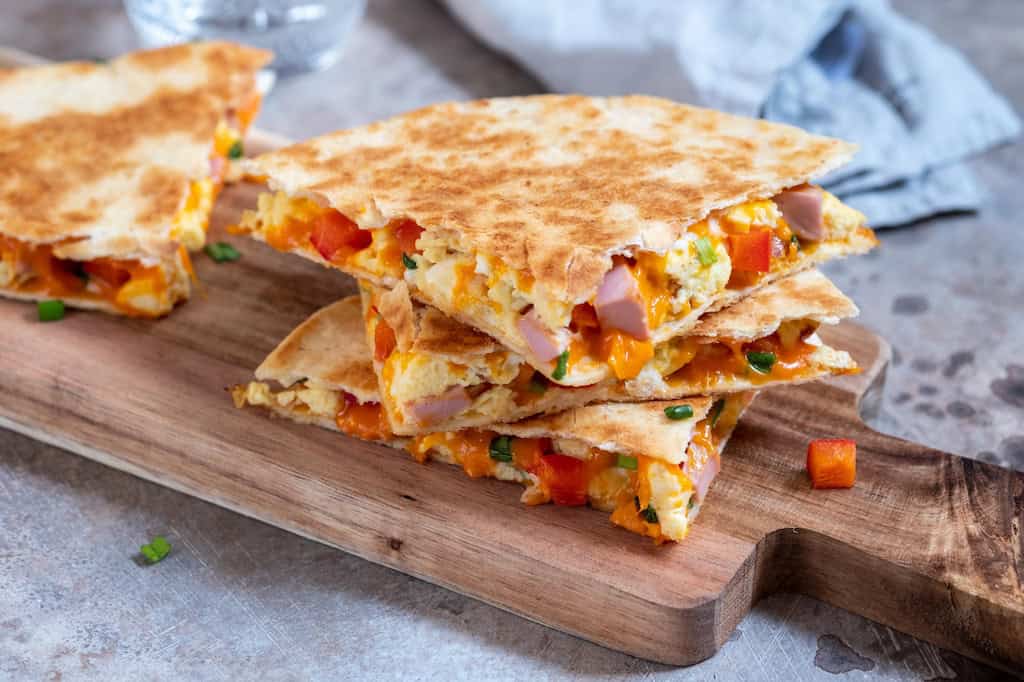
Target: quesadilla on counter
(578,232)
(436,373)
(649,464)
(110,171)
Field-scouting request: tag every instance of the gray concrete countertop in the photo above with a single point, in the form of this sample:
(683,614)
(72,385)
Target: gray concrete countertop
(242,600)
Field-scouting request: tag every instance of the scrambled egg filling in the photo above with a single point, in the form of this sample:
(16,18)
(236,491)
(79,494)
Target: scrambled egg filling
(692,272)
(645,495)
(133,287)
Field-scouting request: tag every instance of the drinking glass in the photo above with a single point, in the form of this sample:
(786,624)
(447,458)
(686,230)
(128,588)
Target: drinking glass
(305,35)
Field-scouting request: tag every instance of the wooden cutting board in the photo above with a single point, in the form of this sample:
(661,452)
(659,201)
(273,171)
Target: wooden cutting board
(926,542)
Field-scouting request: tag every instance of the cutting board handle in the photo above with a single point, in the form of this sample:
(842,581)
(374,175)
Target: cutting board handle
(927,542)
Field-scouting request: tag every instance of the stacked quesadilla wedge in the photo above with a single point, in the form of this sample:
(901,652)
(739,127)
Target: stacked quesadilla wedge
(111,170)
(577,232)
(579,294)
(651,473)
(436,373)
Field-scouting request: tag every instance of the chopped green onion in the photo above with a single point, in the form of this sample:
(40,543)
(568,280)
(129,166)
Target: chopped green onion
(716,411)
(408,262)
(501,448)
(50,311)
(795,241)
(677,412)
(706,252)
(650,516)
(222,252)
(761,362)
(156,550)
(236,150)
(538,384)
(625,462)
(561,366)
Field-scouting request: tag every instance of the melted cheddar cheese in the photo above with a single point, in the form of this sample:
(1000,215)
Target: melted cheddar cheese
(132,287)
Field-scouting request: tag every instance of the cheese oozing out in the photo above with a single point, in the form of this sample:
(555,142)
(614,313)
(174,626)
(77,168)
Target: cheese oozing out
(643,494)
(673,285)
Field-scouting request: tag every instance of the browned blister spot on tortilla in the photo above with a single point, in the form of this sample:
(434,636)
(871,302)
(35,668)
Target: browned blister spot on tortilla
(548,181)
(115,167)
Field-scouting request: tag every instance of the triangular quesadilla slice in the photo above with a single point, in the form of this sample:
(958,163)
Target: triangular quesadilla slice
(579,232)
(436,373)
(111,170)
(649,464)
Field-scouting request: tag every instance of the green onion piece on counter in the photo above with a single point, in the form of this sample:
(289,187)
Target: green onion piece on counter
(650,516)
(51,311)
(222,252)
(156,550)
(408,262)
(677,412)
(625,462)
(236,150)
(716,411)
(561,366)
(538,384)
(761,362)
(706,252)
(501,449)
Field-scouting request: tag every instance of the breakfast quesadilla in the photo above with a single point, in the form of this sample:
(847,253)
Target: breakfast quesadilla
(578,232)
(435,373)
(110,171)
(649,464)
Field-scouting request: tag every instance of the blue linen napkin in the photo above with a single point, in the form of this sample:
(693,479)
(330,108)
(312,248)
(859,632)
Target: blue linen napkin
(853,69)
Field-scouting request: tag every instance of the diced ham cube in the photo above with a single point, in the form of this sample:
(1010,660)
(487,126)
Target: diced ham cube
(619,304)
(543,344)
(802,209)
(706,475)
(438,408)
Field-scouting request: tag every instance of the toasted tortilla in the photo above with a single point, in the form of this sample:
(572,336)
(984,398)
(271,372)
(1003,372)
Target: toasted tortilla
(433,341)
(98,157)
(539,193)
(552,185)
(327,351)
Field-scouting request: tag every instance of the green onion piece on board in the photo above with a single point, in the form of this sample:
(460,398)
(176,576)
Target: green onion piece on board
(50,311)
(408,262)
(625,462)
(501,449)
(156,550)
(236,150)
(677,412)
(222,252)
(761,362)
(561,367)
(706,252)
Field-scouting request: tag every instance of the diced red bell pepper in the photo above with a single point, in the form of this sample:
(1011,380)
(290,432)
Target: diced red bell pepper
(407,233)
(565,478)
(752,251)
(333,233)
(832,462)
(384,341)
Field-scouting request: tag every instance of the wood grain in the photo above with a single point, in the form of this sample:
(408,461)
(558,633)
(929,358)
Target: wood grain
(926,542)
